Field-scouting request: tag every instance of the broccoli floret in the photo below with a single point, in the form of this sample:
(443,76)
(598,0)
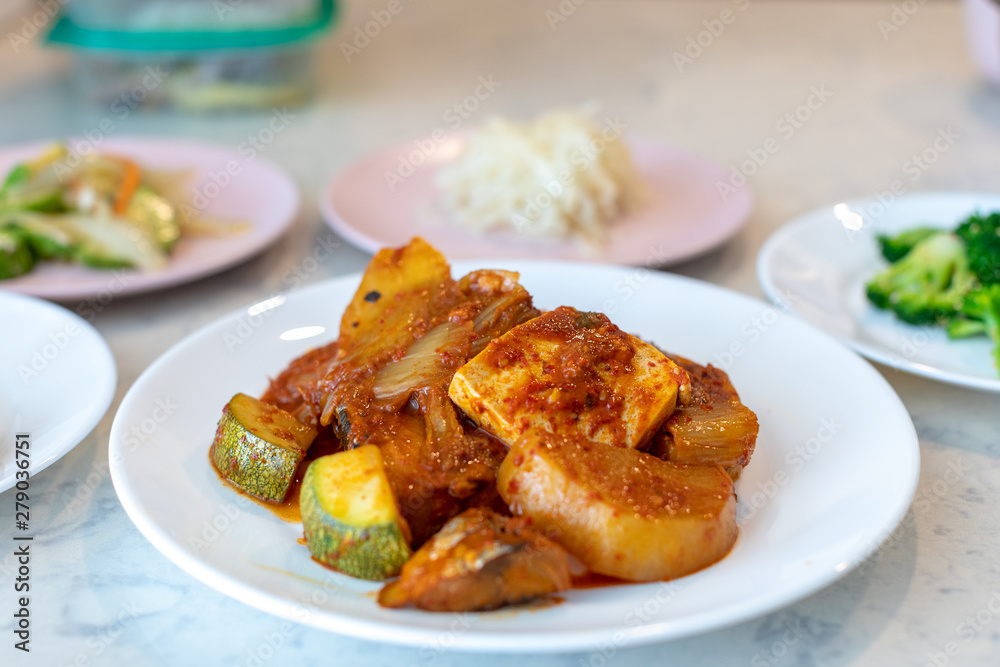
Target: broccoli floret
(961,327)
(894,248)
(926,286)
(982,237)
(983,305)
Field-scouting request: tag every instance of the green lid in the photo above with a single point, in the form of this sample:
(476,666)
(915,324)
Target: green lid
(69,33)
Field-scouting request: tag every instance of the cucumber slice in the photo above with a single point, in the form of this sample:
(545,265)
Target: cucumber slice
(16,257)
(350,515)
(155,216)
(17,177)
(258,446)
(48,240)
(24,190)
(112,243)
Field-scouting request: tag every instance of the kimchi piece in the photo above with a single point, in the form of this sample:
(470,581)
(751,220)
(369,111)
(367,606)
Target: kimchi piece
(713,428)
(385,381)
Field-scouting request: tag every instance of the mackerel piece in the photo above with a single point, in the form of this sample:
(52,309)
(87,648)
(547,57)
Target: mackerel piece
(258,446)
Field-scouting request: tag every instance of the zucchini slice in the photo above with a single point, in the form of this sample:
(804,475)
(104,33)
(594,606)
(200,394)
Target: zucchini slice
(350,515)
(257,446)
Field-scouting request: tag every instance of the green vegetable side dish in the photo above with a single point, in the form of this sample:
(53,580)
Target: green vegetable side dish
(894,247)
(100,210)
(982,235)
(944,278)
(927,284)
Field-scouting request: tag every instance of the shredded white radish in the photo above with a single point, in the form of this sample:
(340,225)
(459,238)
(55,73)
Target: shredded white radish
(560,176)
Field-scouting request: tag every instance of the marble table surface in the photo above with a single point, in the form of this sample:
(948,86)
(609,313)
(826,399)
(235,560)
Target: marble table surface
(103,595)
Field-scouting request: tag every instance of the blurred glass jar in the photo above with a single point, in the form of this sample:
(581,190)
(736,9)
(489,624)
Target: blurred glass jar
(982,28)
(194,54)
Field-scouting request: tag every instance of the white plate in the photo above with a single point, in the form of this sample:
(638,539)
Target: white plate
(259,193)
(684,215)
(58,381)
(817,267)
(835,497)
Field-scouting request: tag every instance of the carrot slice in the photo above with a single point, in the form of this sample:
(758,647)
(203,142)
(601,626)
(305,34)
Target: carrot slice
(131,179)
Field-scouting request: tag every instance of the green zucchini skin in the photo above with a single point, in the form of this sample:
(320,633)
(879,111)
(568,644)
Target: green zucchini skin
(375,550)
(260,467)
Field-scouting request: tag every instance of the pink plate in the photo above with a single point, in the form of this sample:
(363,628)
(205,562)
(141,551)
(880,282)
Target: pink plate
(684,214)
(234,186)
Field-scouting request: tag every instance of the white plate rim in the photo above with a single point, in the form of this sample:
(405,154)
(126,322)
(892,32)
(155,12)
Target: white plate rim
(474,641)
(101,391)
(370,244)
(139,282)
(765,258)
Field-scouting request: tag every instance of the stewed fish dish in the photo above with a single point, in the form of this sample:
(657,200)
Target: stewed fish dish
(474,451)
